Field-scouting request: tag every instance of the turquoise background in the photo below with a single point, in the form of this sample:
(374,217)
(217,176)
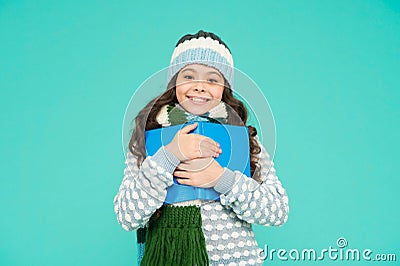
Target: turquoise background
(329,69)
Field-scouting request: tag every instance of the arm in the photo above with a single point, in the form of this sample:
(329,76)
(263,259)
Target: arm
(265,203)
(143,190)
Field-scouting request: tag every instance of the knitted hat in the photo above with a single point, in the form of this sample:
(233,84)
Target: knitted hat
(202,48)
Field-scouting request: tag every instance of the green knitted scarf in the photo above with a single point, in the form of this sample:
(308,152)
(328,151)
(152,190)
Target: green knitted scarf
(175,237)
(170,115)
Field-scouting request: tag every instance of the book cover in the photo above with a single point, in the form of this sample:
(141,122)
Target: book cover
(233,140)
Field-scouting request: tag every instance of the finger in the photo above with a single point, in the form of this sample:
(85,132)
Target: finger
(183,181)
(208,150)
(188,128)
(181,174)
(209,146)
(204,139)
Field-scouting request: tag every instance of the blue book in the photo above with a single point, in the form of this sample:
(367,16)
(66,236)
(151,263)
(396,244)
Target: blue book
(233,140)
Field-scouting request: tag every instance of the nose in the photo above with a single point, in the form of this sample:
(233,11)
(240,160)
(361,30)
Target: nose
(200,86)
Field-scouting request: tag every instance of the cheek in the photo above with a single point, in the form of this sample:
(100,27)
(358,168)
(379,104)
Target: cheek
(180,93)
(217,93)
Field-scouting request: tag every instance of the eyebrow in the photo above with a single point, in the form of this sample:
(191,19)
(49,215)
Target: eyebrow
(209,72)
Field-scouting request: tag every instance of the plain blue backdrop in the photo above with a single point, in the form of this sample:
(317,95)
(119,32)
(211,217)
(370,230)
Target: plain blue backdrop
(330,72)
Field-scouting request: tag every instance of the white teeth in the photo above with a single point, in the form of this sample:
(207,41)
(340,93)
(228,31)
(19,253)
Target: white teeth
(198,100)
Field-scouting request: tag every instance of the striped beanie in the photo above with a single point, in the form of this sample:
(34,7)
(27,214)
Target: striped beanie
(202,48)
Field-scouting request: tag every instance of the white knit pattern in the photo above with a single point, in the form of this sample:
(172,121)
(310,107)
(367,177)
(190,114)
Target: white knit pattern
(162,116)
(202,43)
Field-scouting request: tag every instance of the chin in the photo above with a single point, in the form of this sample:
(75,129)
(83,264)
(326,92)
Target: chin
(197,110)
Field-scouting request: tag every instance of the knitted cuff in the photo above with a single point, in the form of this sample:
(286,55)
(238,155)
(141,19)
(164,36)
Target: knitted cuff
(166,159)
(226,182)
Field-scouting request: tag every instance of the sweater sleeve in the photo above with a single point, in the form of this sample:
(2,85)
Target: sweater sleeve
(143,190)
(265,204)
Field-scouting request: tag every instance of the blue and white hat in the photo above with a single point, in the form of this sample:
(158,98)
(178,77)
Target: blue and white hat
(202,48)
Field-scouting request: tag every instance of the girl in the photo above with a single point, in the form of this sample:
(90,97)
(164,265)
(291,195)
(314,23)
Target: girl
(197,232)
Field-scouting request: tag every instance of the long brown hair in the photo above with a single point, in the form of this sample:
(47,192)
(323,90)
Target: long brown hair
(146,120)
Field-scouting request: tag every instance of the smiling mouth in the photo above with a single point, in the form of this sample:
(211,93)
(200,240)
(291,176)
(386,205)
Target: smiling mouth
(198,100)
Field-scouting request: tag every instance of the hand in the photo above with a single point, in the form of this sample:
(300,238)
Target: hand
(187,146)
(203,172)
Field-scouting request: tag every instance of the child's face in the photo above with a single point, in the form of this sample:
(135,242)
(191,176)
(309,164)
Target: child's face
(199,88)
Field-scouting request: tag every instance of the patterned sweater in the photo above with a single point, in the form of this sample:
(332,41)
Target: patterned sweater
(226,224)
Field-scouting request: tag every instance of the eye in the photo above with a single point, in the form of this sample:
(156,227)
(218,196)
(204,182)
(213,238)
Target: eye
(188,77)
(212,80)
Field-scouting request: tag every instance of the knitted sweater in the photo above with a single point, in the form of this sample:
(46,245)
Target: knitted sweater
(226,224)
